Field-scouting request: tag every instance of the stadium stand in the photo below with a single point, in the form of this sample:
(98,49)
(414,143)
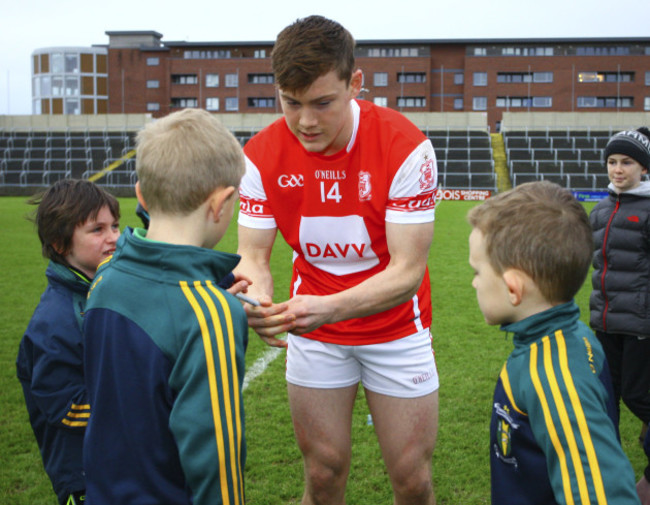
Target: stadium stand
(563,147)
(100,148)
(566,148)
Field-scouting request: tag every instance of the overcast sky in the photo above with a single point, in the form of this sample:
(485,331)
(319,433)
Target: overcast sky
(33,24)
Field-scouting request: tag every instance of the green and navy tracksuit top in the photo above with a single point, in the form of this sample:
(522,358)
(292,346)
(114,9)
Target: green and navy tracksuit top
(553,435)
(50,369)
(164,354)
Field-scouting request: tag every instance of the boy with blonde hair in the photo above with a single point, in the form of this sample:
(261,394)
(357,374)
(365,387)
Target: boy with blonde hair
(553,435)
(164,344)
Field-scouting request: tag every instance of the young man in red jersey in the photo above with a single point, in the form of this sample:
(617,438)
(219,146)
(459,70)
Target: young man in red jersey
(351,187)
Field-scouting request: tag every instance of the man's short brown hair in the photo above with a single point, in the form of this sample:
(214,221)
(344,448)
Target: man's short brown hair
(542,230)
(310,48)
(65,205)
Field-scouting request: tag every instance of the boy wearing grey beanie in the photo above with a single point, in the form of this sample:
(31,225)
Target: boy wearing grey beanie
(620,300)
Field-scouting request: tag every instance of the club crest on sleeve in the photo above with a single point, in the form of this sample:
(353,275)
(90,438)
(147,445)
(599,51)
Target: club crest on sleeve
(365,186)
(427,174)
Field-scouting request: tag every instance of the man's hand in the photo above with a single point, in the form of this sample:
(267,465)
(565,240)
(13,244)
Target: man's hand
(311,312)
(269,320)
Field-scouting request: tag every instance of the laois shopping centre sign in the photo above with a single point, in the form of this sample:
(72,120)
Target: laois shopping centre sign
(463,194)
(484,194)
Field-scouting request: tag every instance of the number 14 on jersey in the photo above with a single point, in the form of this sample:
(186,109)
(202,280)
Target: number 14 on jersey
(331,193)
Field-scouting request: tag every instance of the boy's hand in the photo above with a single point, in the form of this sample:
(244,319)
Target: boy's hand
(269,320)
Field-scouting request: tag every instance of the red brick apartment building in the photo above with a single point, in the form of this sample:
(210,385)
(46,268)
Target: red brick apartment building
(147,74)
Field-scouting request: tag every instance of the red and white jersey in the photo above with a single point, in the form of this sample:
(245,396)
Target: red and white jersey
(332,210)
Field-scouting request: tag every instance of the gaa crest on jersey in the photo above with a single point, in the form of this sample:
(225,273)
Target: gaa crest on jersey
(427,174)
(504,437)
(365,186)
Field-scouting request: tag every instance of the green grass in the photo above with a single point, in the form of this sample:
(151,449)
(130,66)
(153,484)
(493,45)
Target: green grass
(469,356)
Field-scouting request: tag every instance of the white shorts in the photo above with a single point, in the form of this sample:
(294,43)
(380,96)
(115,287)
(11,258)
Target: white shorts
(404,368)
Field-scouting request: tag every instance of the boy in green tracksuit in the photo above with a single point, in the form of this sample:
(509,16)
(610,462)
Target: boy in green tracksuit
(164,343)
(553,435)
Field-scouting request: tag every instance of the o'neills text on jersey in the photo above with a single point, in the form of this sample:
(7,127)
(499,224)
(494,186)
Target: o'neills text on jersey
(330,175)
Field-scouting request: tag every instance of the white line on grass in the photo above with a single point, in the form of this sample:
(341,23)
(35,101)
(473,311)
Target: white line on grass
(260,365)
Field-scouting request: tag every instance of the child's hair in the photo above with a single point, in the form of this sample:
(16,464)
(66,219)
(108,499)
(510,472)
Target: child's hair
(183,157)
(632,143)
(65,205)
(310,48)
(542,230)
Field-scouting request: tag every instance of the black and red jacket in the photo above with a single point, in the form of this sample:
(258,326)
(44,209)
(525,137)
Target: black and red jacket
(620,300)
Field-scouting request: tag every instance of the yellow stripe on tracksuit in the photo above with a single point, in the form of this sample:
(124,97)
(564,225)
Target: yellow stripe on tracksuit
(582,421)
(236,464)
(565,421)
(214,392)
(75,414)
(505,381)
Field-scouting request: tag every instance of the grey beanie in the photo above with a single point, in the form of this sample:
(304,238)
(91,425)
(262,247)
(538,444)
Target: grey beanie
(631,143)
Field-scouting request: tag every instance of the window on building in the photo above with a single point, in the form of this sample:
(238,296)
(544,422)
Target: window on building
(479,103)
(185,102)
(260,79)
(480,78)
(71,63)
(411,77)
(232,103)
(605,76)
(212,103)
(458,104)
(153,62)
(524,101)
(411,101)
(57,63)
(72,86)
(153,83)
(459,78)
(57,86)
(260,53)
(232,80)
(647,78)
(515,77)
(185,79)
(395,52)
(72,106)
(542,101)
(46,85)
(261,102)
(646,103)
(542,77)
(211,80)
(153,106)
(380,79)
(206,55)
(602,51)
(480,51)
(382,101)
(608,102)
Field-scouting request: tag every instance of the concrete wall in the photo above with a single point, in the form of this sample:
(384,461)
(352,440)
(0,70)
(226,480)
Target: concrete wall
(246,122)
(95,122)
(574,120)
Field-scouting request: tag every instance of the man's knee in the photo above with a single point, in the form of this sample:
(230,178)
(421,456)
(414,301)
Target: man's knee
(326,471)
(411,477)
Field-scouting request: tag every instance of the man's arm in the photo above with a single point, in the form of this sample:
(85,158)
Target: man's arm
(268,320)
(408,246)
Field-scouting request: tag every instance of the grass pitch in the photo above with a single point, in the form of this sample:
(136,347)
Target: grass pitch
(469,355)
